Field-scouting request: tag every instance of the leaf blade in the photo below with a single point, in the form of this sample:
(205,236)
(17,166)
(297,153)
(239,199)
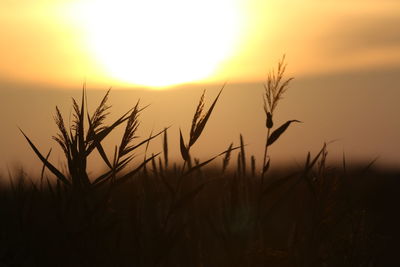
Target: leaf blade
(278,132)
(50,166)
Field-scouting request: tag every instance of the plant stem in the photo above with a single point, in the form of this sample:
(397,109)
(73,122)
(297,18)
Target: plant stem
(265,155)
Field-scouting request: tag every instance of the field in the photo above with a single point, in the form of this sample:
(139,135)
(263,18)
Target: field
(153,212)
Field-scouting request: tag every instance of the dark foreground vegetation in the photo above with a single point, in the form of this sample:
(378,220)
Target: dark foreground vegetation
(153,212)
(320,217)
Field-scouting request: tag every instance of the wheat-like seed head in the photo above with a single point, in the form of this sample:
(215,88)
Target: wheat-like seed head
(99,115)
(62,138)
(130,130)
(197,115)
(225,161)
(275,87)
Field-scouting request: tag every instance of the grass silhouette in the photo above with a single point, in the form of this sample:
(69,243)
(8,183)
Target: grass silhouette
(160,213)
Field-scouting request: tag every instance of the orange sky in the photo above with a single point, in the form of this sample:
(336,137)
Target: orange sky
(65,42)
(345,56)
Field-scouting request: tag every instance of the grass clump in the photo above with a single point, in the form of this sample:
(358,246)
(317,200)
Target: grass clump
(78,144)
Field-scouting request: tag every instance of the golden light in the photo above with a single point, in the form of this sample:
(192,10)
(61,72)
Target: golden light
(160,42)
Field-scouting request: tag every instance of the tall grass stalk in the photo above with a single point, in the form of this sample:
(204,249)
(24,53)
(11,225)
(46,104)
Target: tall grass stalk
(199,122)
(274,89)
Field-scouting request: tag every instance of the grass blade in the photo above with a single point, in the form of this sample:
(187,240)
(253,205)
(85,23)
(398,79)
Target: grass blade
(184,150)
(44,167)
(131,148)
(100,148)
(198,166)
(165,148)
(53,169)
(133,172)
(227,158)
(242,155)
(203,121)
(278,132)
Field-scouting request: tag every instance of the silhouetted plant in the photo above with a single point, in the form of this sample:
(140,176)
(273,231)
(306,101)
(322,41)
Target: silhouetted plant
(78,144)
(198,123)
(275,87)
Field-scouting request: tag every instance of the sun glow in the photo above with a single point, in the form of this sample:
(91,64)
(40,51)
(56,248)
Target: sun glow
(159,43)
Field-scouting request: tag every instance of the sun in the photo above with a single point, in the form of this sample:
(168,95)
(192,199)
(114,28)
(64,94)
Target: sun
(159,43)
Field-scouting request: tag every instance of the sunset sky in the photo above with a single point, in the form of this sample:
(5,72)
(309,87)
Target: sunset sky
(171,42)
(50,46)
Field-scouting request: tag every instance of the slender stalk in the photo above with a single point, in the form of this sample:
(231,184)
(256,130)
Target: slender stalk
(265,155)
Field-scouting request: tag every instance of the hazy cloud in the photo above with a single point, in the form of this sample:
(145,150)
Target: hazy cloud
(366,33)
